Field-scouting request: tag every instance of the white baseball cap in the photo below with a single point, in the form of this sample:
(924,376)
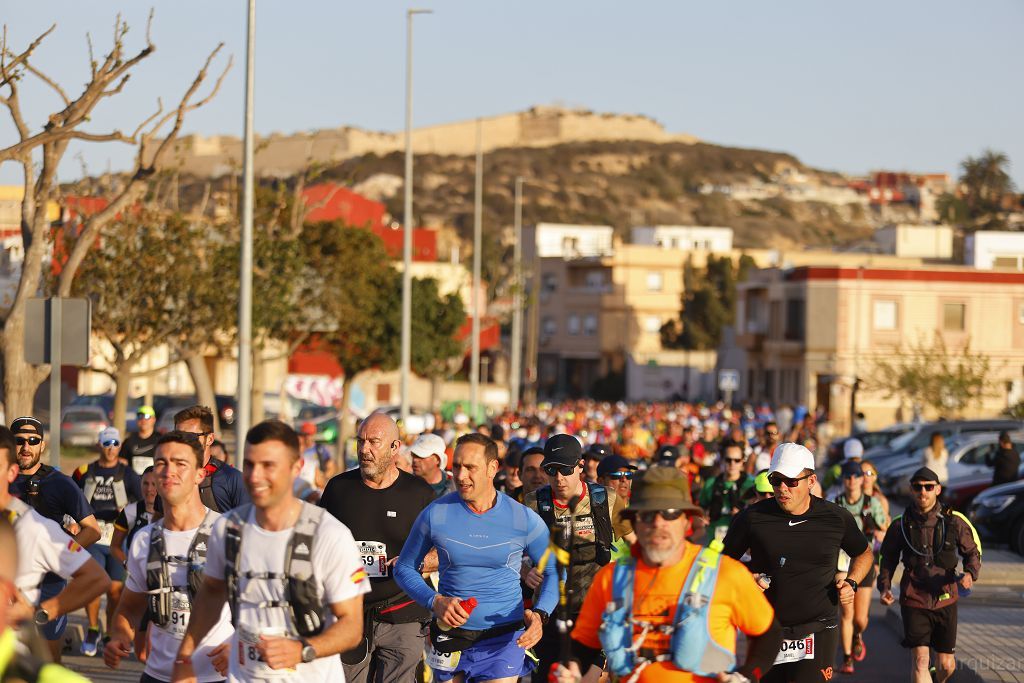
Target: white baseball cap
(853,448)
(791,459)
(109,434)
(426,445)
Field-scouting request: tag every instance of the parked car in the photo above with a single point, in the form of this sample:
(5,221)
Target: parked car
(868,440)
(168,406)
(905,449)
(106,402)
(970,471)
(81,425)
(998,514)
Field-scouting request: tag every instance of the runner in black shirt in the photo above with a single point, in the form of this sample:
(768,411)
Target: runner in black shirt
(379,503)
(794,541)
(138,448)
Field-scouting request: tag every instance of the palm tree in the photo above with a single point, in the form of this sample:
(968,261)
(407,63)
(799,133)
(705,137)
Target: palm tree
(985,181)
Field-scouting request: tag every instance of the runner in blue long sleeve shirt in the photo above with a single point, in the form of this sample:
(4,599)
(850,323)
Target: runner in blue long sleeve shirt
(481,536)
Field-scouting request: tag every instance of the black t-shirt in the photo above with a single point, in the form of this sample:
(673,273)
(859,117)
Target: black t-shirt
(104,499)
(58,496)
(379,517)
(799,552)
(139,451)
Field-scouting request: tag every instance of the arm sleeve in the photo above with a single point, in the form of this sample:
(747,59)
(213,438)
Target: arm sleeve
(737,539)
(537,542)
(890,555)
(854,541)
(407,574)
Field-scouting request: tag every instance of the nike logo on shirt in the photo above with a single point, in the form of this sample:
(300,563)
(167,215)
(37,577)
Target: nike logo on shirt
(795,523)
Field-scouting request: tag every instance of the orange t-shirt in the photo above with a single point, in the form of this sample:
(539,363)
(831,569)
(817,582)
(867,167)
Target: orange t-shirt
(737,603)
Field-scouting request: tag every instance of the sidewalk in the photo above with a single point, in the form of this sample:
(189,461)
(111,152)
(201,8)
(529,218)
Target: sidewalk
(990,621)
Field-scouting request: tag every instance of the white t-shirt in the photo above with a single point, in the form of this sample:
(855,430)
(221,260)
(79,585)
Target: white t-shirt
(339,575)
(165,640)
(43,546)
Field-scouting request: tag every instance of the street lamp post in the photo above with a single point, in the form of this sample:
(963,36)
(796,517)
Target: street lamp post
(517,300)
(407,221)
(245,267)
(474,365)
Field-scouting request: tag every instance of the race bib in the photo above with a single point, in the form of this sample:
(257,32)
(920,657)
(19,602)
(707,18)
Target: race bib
(106,532)
(181,610)
(249,658)
(796,650)
(442,663)
(375,558)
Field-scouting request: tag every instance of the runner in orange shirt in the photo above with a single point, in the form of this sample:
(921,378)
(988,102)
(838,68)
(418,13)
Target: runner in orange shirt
(718,596)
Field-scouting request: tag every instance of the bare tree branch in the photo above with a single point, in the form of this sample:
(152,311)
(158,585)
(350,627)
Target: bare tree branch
(6,74)
(50,82)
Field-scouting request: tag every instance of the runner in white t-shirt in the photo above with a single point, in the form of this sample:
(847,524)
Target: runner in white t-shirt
(268,644)
(178,467)
(45,548)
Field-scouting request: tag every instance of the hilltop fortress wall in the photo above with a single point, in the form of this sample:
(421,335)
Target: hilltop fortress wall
(282,155)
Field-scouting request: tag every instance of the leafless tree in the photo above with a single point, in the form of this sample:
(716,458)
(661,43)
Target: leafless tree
(39,153)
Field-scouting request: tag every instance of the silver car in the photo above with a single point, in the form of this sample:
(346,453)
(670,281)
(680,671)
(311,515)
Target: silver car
(81,425)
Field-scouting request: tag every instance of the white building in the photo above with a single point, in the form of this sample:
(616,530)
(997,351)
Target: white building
(989,249)
(695,237)
(559,240)
(916,241)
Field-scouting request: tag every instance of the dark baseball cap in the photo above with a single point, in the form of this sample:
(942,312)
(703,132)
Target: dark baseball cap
(27,424)
(598,451)
(924,474)
(852,468)
(613,463)
(667,454)
(564,449)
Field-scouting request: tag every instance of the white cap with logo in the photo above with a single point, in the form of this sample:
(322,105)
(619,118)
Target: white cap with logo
(791,459)
(427,444)
(109,434)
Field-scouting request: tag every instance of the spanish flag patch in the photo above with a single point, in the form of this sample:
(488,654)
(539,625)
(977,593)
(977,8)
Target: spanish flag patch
(359,575)
(73,546)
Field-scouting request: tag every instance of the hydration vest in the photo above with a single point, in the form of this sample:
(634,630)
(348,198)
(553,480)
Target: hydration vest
(692,647)
(598,551)
(867,520)
(722,501)
(91,478)
(35,481)
(206,485)
(158,574)
(941,551)
(302,600)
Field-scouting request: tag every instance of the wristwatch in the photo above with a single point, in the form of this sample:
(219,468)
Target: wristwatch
(42,617)
(852,583)
(544,616)
(308,652)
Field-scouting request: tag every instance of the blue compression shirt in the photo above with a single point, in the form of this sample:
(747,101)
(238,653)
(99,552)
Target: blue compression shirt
(479,555)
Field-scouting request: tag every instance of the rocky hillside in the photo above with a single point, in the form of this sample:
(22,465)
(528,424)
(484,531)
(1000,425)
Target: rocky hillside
(621,184)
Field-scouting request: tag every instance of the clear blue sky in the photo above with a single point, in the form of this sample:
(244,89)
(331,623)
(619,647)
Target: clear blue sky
(908,85)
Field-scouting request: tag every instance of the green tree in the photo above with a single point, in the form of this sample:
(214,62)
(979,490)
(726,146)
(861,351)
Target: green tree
(984,183)
(436,354)
(930,374)
(708,304)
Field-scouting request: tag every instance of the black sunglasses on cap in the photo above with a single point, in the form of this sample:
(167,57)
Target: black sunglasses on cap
(777,479)
(30,440)
(647,516)
(553,468)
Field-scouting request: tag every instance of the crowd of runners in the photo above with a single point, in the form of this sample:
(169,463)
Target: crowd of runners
(575,542)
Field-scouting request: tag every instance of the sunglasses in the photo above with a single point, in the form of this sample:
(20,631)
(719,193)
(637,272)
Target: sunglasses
(733,460)
(869,473)
(553,468)
(619,475)
(771,433)
(647,516)
(144,416)
(923,487)
(111,442)
(853,475)
(776,480)
(30,440)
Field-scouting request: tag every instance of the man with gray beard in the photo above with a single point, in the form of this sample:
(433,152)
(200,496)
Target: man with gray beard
(379,502)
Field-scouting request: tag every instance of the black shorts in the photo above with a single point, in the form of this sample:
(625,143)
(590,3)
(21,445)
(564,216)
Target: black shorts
(816,670)
(934,628)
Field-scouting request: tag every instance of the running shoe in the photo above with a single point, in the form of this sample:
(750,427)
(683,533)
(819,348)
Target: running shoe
(90,644)
(847,665)
(860,650)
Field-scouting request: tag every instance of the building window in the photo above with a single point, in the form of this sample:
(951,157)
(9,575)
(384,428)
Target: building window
(549,282)
(572,324)
(652,324)
(795,319)
(589,325)
(885,315)
(549,327)
(654,281)
(953,317)
(595,279)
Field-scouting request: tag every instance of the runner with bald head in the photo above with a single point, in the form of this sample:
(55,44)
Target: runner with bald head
(379,503)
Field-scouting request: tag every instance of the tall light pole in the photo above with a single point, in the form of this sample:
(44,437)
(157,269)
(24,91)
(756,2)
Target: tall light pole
(245,274)
(478,203)
(517,300)
(407,221)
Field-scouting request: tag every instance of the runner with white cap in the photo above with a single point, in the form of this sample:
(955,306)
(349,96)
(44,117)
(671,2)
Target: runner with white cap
(794,541)
(429,463)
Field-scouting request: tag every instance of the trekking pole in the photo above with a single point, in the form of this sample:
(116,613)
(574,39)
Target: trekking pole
(565,587)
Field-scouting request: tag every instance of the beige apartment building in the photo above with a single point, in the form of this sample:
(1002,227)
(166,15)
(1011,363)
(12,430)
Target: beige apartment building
(809,332)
